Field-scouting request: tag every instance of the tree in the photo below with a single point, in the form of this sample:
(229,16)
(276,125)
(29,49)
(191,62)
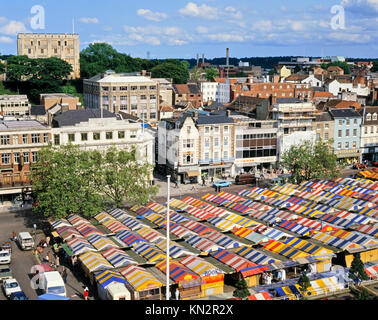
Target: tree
(123,178)
(362,294)
(357,270)
(174,69)
(211,73)
(51,69)
(20,68)
(196,74)
(304,284)
(308,161)
(241,289)
(2,67)
(375,66)
(63,183)
(342,64)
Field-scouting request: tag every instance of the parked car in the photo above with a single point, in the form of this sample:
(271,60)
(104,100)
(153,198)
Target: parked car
(18,296)
(359,166)
(222,183)
(5,257)
(10,286)
(25,241)
(5,272)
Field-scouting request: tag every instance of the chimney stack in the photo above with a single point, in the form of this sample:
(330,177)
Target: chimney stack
(197,60)
(227,57)
(203,58)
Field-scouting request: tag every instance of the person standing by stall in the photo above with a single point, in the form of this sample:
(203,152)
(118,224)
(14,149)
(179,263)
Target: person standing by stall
(86,292)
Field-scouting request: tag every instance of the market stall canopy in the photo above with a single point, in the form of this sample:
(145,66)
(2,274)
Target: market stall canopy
(106,277)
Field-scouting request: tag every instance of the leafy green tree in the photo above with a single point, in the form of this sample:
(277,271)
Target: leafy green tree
(362,294)
(174,69)
(342,64)
(63,182)
(196,74)
(308,161)
(2,68)
(20,68)
(52,69)
(211,73)
(304,284)
(357,271)
(241,290)
(375,66)
(123,178)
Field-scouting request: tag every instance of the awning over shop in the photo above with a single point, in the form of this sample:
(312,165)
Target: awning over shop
(260,296)
(193,174)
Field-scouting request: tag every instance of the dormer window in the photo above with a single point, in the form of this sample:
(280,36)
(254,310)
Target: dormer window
(374,116)
(368,117)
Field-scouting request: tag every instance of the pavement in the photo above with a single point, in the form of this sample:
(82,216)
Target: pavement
(15,220)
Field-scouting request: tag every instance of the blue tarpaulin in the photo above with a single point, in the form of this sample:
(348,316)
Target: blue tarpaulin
(49,296)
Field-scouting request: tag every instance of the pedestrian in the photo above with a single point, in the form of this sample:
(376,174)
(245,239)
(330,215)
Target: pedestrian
(46,259)
(176,184)
(64,275)
(212,179)
(57,262)
(14,236)
(47,240)
(177,294)
(203,181)
(86,292)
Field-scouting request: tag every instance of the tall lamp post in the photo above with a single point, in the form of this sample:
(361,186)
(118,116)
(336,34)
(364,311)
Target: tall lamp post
(167,251)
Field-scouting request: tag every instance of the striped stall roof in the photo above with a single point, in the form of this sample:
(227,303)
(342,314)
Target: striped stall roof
(178,218)
(175,250)
(260,296)
(102,216)
(200,214)
(194,202)
(157,207)
(284,250)
(197,227)
(177,271)
(60,223)
(87,229)
(307,246)
(179,231)
(295,227)
(150,234)
(223,240)
(118,258)
(203,244)
(140,279)
(231,197)
(118,214)
(80,245)
(178,204)
(132,223)
(223,224)
(372,271)
(200,266)
(130,238)
(149,252)
(233,260)
(94,261)
(106,277)
(75,220)
(371,230)
(254,255)
(114,225)
(101,242)
(334,241)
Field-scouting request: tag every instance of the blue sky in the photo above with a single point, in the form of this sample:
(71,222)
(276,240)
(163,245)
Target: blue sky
(182,28)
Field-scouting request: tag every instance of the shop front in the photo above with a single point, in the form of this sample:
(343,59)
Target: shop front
(217,170)
(251,165)
(188,175)
(370,154)
(349,156)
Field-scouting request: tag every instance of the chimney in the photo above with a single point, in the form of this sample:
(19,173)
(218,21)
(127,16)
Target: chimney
(276,79)
(144,72)
(227,57)
(203,58)
(64,107)
(197,60)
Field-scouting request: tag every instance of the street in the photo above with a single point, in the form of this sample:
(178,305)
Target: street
(22,261)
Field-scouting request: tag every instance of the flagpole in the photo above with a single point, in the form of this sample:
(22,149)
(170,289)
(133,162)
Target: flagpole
(167,251)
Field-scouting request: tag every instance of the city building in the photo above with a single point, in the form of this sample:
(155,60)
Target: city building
(20,141)
(49,100)
(294,119)
(256,108)
(347,134)
(166,91)
(209,91)
(190,92)
(133,93)
(323,126)
(46,45)
(369,133)
(92,130)
(14,105)
(223,90)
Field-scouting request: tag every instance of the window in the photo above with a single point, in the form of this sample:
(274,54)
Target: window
(216,155)
(34,156)
(134,88)
(216,129)
(206,156)
(326,136)
(84,137)
(207,129)
(374,116)
(207,142)
(133,134)
(318,127)
(225,129)
(45,137)
(16,158)
(216,142)
(153,115)
(318,137)
(225,154)
(143,97)
(366,130)
(340,122)
(5,140)
(339,145)
(143,88)
(71,137)
(340,134)
(188,129)
(346,145)
(347,133)
(96,136)
(348,122)
(5,158)
(57,139)
(326,126)
(354,132)
(123,88)
(355,121)
(35,138)
(225,141)
(121,134)
(26,157)
(55,50)
(368,117)
(109,135)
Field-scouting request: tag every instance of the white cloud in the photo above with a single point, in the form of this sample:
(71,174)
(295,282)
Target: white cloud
(89,20)
(13,28)
(176,42)
(3,20)
(226,37)
(201,29)
(232,13)
(152,16)
(153,30)
(263,25)
(298,25)
(4,39)
(203,11)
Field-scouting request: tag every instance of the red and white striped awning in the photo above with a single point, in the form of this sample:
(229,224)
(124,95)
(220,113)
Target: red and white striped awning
(260,296)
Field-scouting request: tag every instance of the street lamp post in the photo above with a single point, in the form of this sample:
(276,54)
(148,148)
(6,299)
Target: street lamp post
(167,251)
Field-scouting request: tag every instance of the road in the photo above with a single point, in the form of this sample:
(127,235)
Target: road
(22,261)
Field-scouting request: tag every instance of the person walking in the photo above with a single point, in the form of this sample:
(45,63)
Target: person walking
(57,262)
(64,275)
(14,236)
(86,292)
(177,294)
(46,259)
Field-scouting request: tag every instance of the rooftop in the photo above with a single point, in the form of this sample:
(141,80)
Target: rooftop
(72,117)
(344,113)
(21,125)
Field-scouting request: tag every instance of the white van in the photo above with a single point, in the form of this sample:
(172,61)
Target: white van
(25,241)
(52,282)
(113,291)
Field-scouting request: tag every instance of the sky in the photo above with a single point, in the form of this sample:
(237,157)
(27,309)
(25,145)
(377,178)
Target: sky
(183,29)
